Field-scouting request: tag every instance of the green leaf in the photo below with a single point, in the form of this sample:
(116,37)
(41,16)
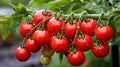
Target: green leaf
(112,2)
(3,18)
(117,5)
(39,3)
(5,34)
(61,57)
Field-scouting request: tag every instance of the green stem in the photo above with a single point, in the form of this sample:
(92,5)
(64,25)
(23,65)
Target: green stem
(62,33)
(78,27)
(96,16)
(31,31)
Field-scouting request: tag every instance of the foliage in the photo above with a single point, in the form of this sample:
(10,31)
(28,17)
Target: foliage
(9,24)
(5,3)
(67,6)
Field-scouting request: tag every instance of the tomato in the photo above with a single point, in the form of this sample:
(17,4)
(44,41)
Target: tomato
(31,46)
(59,44)
(70,30)
(54,25)
(76,59)
(84,44)
(39,16)
(47,51)
(88,27)
(41,37)
(45,60)
(100,51)
(22,54)
(104,33)
(25,28)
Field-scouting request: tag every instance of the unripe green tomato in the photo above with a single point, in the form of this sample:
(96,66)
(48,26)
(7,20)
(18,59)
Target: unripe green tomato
(46,51)
(45,60)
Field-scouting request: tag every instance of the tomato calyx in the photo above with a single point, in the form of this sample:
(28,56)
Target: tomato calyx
(59,15)
(45,12)
(22,45)
(60,35)
(70,19)
(81,36)
(29,19)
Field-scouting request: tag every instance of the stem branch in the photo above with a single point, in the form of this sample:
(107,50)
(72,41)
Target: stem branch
(96,16)
(32,30)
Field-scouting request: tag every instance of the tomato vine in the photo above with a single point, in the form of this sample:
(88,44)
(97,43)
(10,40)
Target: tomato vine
(43,23)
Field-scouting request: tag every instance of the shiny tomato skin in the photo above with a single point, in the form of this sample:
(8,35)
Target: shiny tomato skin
(59,44)
(100,51)
(104,33)
(88,27)
(31,46)
(39,16)
(47,51)
(84,44)
(70,30)
(76,59)
(25,28)
(41,37)
(22,54)
(45,60)
(54,25)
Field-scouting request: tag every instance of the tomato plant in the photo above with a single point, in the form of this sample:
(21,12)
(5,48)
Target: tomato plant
(59,26)
(41,37)
(77,58)
(70,30)
(54,25)
(47,51)
(22,54)
(45,60)
(31,46)
(84,43)
(88,27)
(25,28)
(59,44)
(40,16)
(104,33)
(100,51)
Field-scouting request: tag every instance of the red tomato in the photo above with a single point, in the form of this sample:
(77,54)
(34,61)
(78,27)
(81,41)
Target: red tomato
(31,46)
(100,51)
(39,16)
(25,28)
(22,54)
(104,33)
(77,58)
(54,25)
(88,27)
(84,44)
(70,30)
(59,44)
(41,37)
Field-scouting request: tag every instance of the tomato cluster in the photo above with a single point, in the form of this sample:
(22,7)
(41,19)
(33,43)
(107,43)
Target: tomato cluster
(60,36)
